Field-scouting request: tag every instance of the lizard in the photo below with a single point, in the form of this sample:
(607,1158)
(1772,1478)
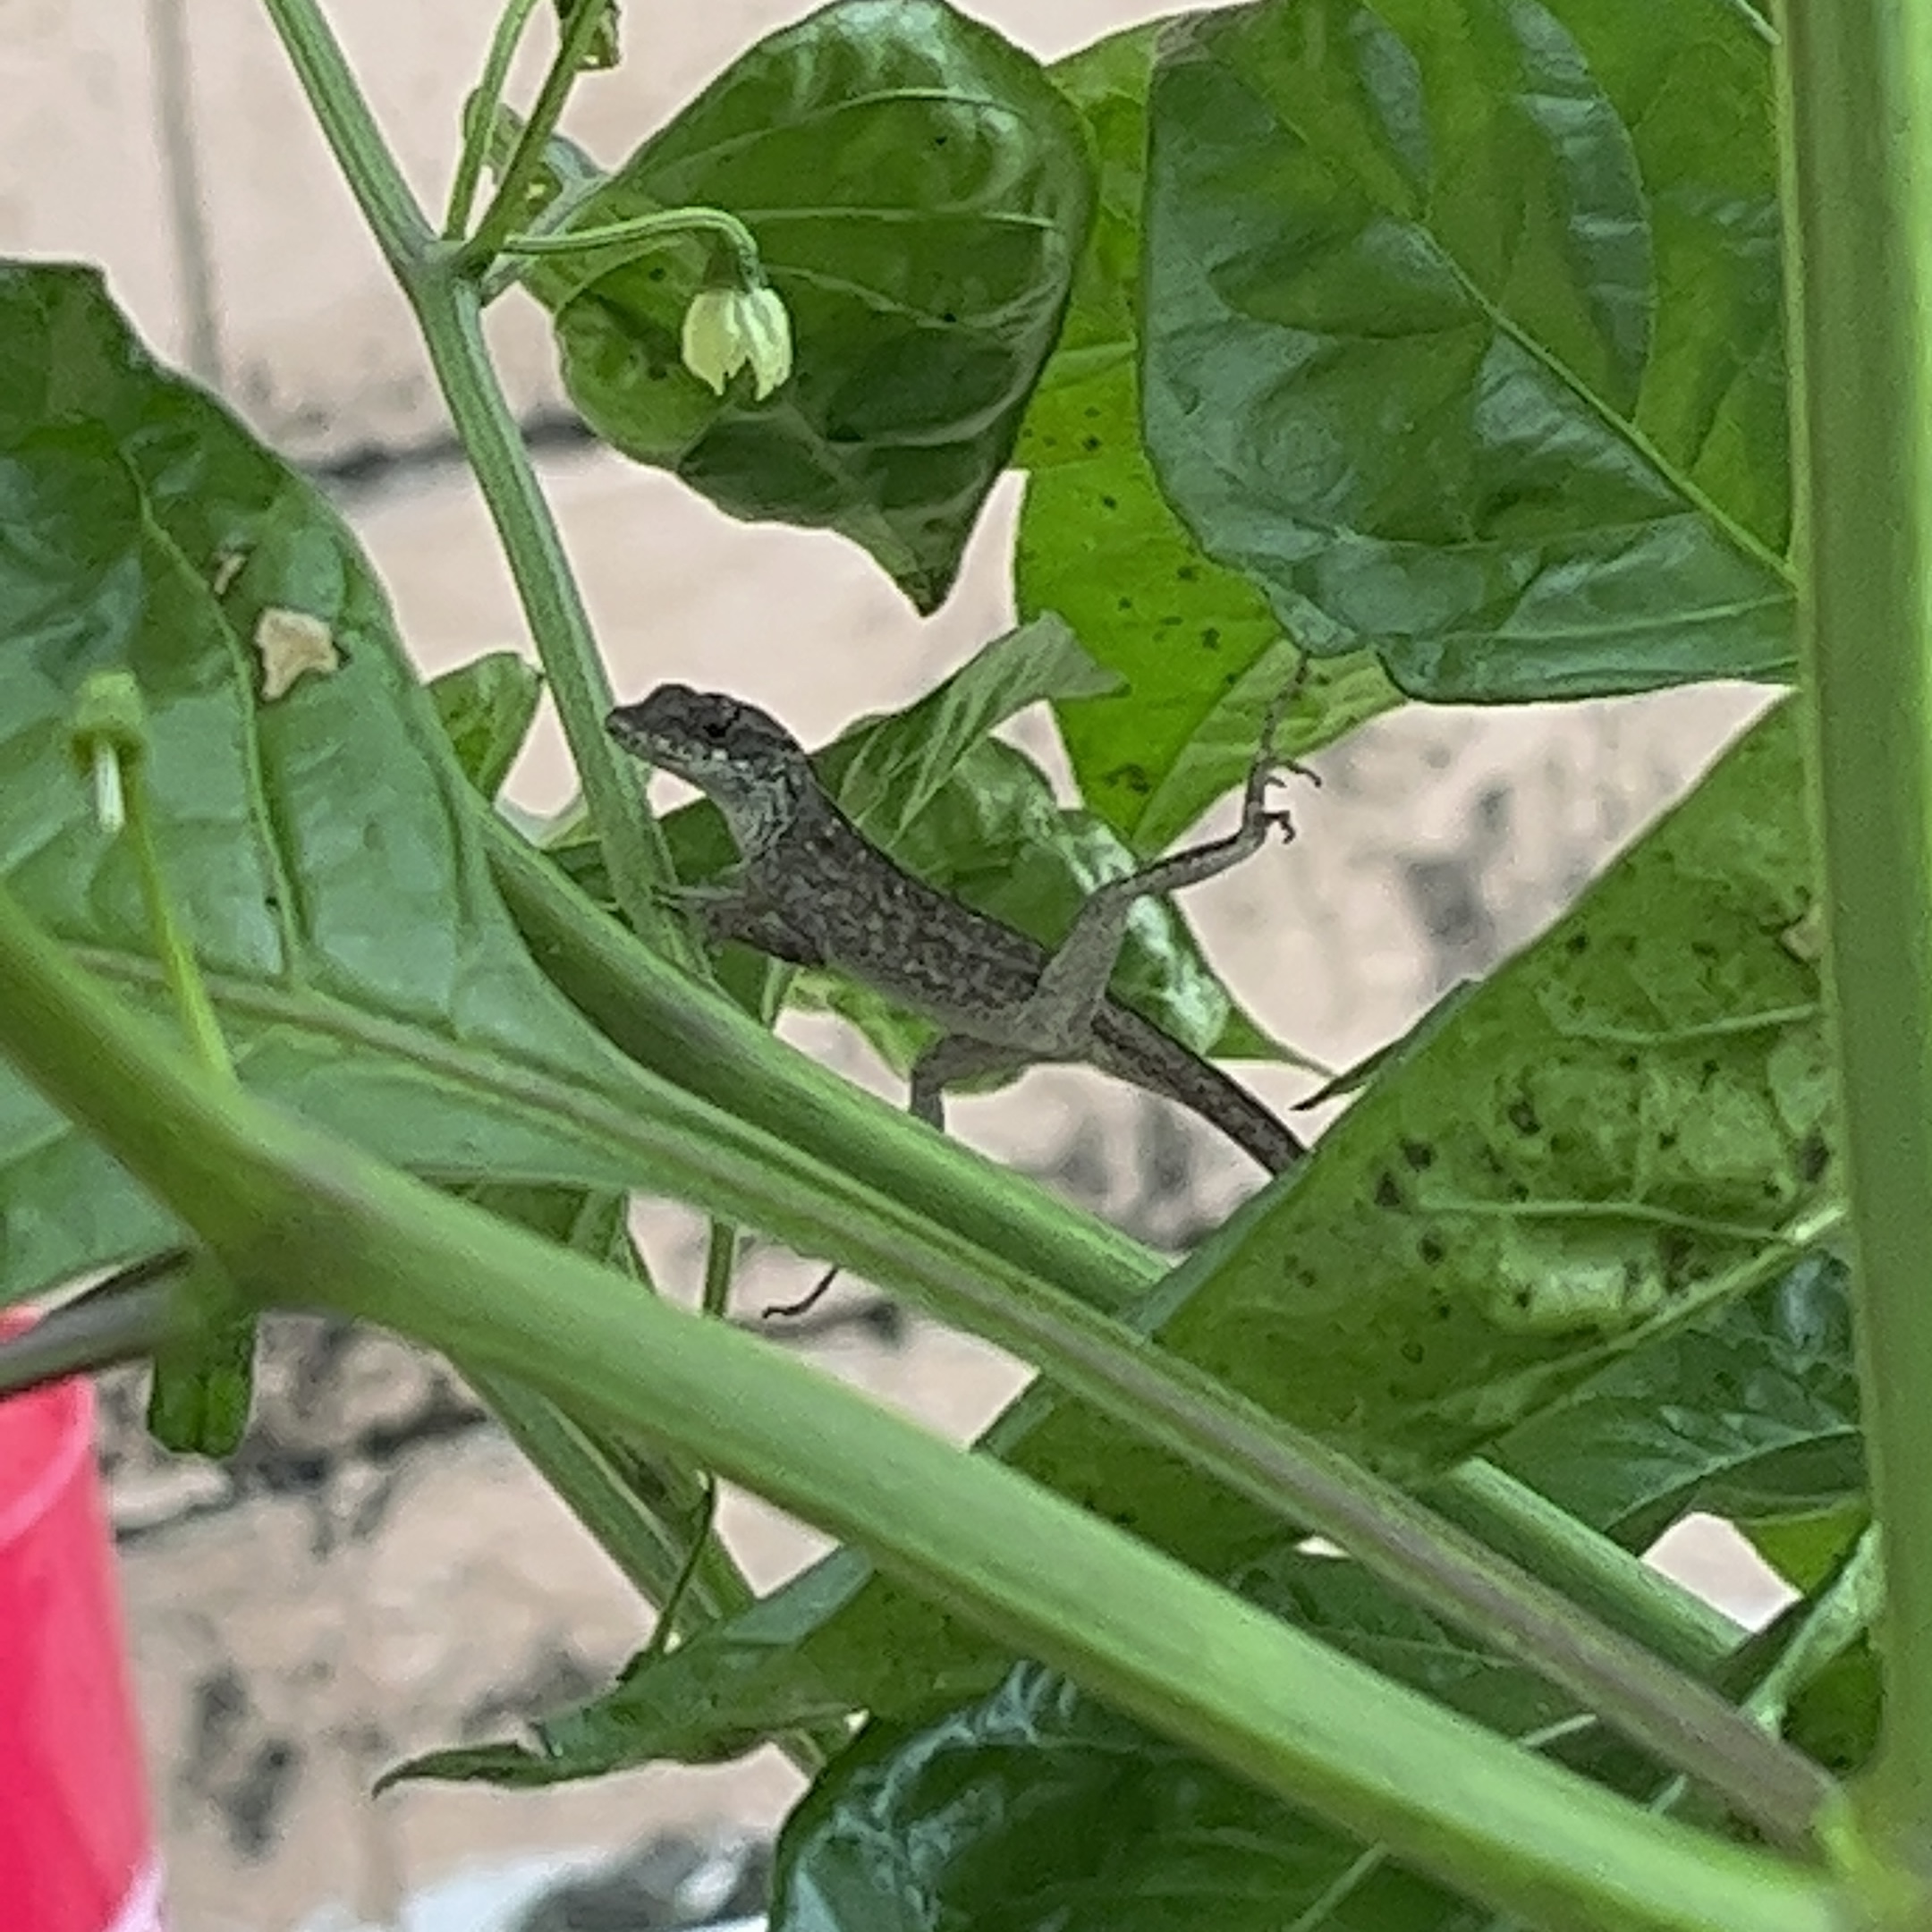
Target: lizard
(811,889)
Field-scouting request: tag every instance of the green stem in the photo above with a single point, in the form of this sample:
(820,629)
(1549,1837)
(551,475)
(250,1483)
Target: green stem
(1590,1570)
(1858,107)
(506,211)
(185,985)
(479,115)
(447,310)
(401,229)
(306,1219)
(666,222)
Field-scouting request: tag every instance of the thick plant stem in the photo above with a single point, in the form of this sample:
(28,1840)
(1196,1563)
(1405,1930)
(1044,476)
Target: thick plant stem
(1858,113)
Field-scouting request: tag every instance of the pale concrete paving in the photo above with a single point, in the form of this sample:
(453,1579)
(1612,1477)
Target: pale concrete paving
(379,1575)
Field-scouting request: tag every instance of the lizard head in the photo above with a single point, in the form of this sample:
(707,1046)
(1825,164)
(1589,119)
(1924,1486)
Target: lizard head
(742,758)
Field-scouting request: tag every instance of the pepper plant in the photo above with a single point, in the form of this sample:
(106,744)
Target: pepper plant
(1479,352)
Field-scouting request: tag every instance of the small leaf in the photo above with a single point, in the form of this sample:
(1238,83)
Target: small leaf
(919,194)
(486,706)
(203,1381)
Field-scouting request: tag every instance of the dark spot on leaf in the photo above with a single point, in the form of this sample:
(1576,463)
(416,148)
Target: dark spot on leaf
(946,315)
(1130,778)
(1674,1250)
(1814,1156)
(1667,1140)
(1091,411)
(1519,1190)
(1431,1248)
(1187,573)
(1522,1117)
(1110,503)
(1630,1063)
(1441,1310)
(1170,620)
(1090,442)
(1050,441)
(1413,1353)
(1419,1154)
(1387,1193)
(654,275)
(1125,603)
(1211,636)
(1521,1298)
(1709,1070)
(1633,1277)
(1703,949)
(939,140)
(1577,942)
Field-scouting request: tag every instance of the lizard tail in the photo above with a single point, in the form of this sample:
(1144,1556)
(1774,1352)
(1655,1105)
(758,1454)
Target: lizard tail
(1134,1048)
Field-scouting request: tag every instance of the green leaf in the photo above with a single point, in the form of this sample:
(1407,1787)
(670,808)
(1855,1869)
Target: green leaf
(919,193)
(1835,1717)
(202,1386)
(317,842)
(1038,1807)
(1750,1413)
(1597,1146)
(486,706)
(1464,336)
(1200,650)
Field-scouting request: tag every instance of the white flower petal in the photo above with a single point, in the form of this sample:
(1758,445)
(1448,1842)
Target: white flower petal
(726,329)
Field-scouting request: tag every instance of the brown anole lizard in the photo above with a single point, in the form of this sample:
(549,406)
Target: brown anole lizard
(810,888)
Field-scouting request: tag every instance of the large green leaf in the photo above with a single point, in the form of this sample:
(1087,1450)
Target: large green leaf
(920,194)
(1618,1130)
(317,841)
(1199,651)
(1463,335)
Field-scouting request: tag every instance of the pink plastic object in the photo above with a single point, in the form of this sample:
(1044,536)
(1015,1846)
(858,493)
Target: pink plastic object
(77,1851)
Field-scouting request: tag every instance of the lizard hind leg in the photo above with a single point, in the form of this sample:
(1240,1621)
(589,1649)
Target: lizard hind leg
(951,1058)
(956,1056)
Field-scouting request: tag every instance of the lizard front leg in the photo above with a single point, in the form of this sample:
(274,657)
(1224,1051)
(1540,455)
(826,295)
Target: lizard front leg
(732,910)
(1059,1015)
